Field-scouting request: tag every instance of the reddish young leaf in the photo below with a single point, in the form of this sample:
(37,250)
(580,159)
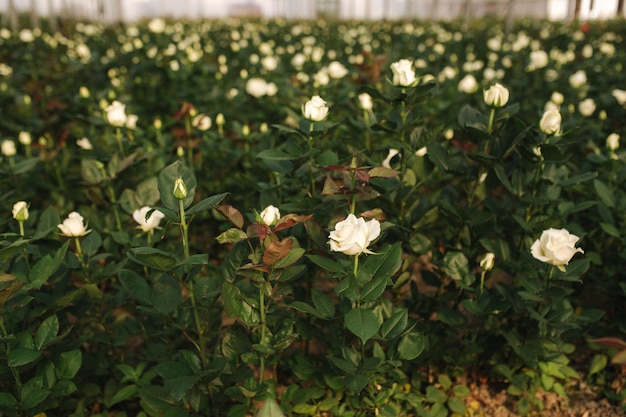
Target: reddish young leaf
(232,214)
(276,251)
(290,220)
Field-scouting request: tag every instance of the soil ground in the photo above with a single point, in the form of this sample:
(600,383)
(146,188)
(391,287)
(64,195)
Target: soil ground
(581,403)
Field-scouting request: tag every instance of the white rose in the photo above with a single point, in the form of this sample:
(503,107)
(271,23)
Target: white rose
(620,96)
(270,215)
(256,87)
(496,96)
(116,114)
(403,73)
(557,98)
(468,84)
(555,247)
(488,261)
(84,143)
(8,148)
(365,101)
(202,121)
(337,70)
(20,211)
(578,79)
(315,109)
(387,162)
(24,138)
(149,224)
(352,236)
(73,225)
(587,107)
(550,122)
(612,141)
(538,59)
(131,121)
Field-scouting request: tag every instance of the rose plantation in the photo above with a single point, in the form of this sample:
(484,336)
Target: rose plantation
(311,218)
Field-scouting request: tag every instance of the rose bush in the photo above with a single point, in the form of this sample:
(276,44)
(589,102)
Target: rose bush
(222,310)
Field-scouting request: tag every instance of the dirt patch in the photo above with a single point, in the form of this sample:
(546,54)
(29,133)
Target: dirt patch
(485,402)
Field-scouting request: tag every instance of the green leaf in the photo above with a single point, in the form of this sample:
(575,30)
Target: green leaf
(305,308)
(91,243)
(327,264)
(438,155)
(270,408)
(68,364)
(384,264)
(362,323)
(167,179)
(24,166)
(598,363)
(166,295)
(232,235)
(178,387)
(374,289)
(152,257)
(123,394)
(233,300)
(456,265)
(92,171)
(206,204)
(605,194)
(411,345)
(33,396)
(48,221)
(7,400)
(46,332)
(356,382)
(323,303)
(22,356)
(395,325)
(135,285)
(46,266)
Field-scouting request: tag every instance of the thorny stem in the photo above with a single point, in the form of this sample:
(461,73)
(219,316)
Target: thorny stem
(190,288)
(492,116)
(310,163)
(118,138)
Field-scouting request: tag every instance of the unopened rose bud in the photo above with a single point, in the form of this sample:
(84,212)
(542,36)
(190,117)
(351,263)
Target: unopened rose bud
(20,211)
(488,261)
(496,96)
(180,189)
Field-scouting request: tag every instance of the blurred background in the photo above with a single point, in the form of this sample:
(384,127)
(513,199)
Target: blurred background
(132,10)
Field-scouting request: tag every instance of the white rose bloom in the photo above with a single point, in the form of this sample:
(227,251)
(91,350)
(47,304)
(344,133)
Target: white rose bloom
(315,109)
(337,70)
(270,215)
(202,121)
(488,261)
(8,148)
(116,114)
(620,96)
(149,224)
(538,59)
(557,98)
(24,138)
(555,247)
(256,87)
(468,84)
(403,73)
(550,122)
(496,96)
(587,107)
(131,121)
(352,236)
(612,141)
(85,144)
(73,225)
(20,211)
(365,101)
(387,162)
(578,79)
